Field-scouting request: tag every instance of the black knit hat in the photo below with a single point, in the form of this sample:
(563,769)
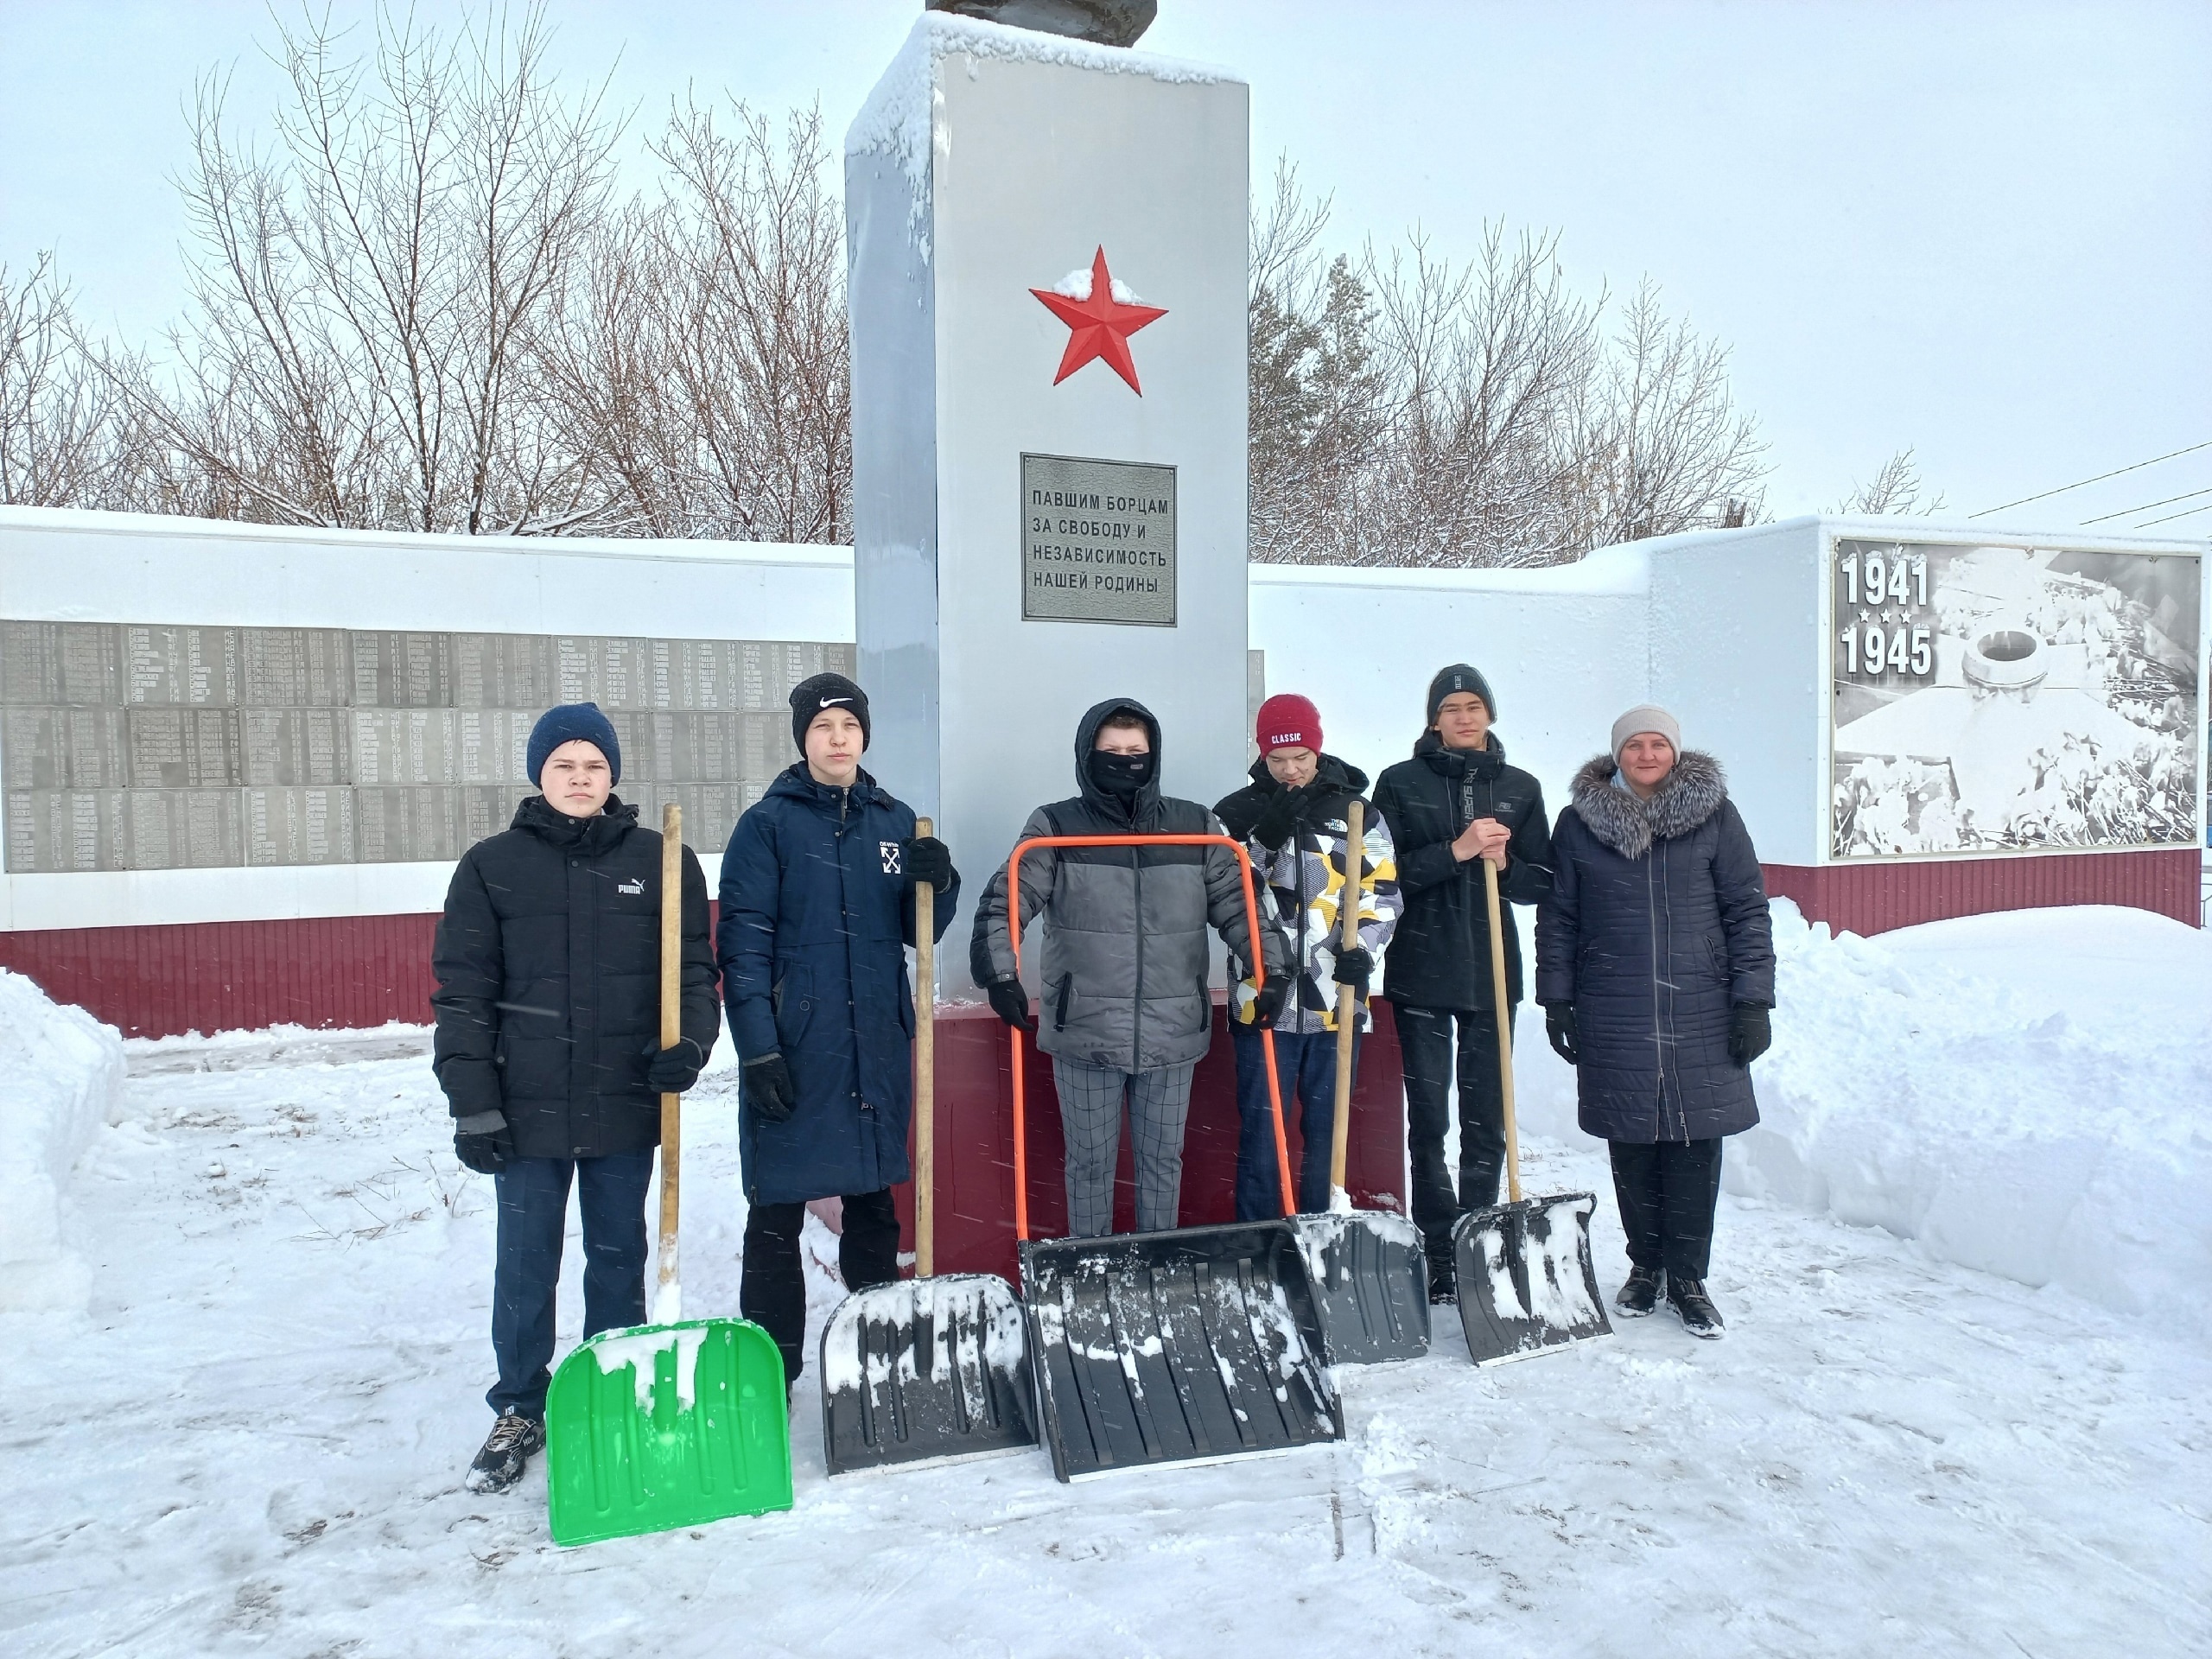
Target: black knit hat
(811,696)
(1458,677)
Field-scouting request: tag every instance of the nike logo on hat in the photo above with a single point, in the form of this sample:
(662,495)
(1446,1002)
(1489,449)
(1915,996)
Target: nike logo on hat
(831,703)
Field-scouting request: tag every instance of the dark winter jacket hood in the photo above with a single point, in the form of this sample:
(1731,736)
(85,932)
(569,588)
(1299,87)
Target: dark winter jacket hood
(796,782)
(1146,806)
(1625,821)
(1483,763)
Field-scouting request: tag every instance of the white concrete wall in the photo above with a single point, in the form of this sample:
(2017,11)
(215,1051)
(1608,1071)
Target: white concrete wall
(87,567)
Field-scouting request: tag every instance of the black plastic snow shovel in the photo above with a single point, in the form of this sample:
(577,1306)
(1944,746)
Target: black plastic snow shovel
(1188,1345)
(1370,1273)
(1526,1281)
(927,1370)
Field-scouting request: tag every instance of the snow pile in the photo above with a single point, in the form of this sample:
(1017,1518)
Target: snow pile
(60,1078)
(2028,1093)
(1076,285)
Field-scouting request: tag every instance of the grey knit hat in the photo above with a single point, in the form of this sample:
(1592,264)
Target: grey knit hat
(1647,717)
(1458,677)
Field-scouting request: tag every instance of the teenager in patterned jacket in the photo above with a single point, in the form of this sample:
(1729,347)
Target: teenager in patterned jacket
(1292,820)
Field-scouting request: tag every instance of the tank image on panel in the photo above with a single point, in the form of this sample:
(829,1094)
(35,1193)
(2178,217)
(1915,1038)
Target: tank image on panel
(1991,700)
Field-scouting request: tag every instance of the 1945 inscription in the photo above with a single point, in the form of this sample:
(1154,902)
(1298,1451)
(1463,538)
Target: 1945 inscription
(1098,541)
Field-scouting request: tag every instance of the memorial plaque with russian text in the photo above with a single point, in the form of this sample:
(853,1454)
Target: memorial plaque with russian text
(61,662)
(196,667)
(299,826)
(67,831)
(403,670)
(1097,541)
(184,748)
(298,747)
(402,826)
(297,667)
(185,828)
(505,670)
(495,746)
(63,749)
(406,746)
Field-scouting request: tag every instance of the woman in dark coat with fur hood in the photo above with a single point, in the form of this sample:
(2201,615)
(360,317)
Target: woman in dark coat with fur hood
(1655,964)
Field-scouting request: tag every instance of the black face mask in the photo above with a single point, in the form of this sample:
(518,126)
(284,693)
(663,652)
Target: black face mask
(1120,775)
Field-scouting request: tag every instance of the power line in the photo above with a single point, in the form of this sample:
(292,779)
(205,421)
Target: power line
(2186,495)
(2099,479)
(2188,513)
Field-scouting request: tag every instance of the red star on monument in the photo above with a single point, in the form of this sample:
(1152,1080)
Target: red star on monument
(1099,326)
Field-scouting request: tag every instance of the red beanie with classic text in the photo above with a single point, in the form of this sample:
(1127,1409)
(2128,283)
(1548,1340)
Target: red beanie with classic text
(1289,721)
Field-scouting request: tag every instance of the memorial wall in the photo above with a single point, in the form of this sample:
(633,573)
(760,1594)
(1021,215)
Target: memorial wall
(151,747)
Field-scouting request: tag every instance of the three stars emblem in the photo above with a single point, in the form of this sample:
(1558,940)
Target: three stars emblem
(1099,327)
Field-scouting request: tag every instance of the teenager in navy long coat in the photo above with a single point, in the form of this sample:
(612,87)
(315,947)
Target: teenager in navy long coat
(817,908)
(1655,964)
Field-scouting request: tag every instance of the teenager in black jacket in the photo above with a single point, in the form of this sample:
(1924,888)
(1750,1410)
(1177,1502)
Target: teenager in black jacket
(548,1048)
(1453,804)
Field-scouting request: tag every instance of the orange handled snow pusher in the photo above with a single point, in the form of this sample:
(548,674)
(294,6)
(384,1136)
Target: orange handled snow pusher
(1190,1344)
(1371,1272)
(1526,1280)
(927,1369)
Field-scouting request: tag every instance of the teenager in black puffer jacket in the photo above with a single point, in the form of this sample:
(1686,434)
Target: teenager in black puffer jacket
(1655,964)
(1453,805)
(548,1048)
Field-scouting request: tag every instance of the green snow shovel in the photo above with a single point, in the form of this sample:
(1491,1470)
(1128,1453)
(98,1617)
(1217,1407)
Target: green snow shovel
(679,1422)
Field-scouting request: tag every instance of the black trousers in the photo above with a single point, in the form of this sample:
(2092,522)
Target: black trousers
(1668,1192)
(772,1293)
(1425,1039)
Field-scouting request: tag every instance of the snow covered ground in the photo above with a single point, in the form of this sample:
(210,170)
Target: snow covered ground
(251,1440)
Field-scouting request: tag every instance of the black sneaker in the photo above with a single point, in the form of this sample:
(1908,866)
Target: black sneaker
(1640,1295)
(507,1450)
(1699,1317)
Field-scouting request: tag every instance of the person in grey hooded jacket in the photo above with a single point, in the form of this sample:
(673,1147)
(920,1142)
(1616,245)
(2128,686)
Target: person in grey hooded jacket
(1125,1010)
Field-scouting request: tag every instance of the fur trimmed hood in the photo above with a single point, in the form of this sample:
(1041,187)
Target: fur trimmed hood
(1690,795)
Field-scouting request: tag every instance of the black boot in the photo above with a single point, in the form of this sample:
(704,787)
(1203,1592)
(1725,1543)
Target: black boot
(507,1451)
(1640,1295)
(1699,1317)
(1443,1290)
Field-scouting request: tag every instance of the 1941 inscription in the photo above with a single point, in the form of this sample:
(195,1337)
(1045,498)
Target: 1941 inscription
(1098,541)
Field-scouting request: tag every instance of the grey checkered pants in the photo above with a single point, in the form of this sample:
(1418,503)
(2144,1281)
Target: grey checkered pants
(1091,1114)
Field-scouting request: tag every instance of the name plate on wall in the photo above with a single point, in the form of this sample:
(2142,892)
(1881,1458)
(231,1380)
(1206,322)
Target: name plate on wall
(1098,541)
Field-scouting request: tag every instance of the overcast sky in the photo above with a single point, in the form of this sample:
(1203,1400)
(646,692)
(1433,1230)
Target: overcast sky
(1981,230)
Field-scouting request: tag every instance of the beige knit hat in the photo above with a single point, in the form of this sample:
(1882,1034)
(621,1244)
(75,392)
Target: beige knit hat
(1647,717)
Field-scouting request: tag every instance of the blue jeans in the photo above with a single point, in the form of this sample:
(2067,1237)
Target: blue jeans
(533,1215)
(1306,1073)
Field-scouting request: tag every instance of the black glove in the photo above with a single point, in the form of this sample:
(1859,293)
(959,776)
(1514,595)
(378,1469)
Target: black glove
(487,1151)
(925,858)
(1284,809)
(1267,1001)
(1749,1034)
(767,1085)
(1355,967)
(1559,1026)
(673,1069)
(1011,1003)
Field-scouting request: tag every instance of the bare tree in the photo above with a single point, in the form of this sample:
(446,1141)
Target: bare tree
(366,291)
(1896,488)
(65,436)
(703,365)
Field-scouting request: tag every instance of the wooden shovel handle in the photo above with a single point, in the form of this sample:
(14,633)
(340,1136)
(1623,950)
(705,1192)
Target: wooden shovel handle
(671,1024)
(1504,1031)
(1347,998)
(925,1072)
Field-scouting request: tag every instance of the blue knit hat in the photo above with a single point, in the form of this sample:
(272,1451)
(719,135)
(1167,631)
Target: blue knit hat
(570,721)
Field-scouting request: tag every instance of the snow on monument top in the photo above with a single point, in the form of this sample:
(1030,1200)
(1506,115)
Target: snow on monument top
(895,119)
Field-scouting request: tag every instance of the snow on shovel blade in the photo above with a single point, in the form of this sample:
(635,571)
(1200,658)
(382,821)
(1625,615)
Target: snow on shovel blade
(1526,1283)
(1175,1347)
(1370,1285)
(925,1368)
(664,1426)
